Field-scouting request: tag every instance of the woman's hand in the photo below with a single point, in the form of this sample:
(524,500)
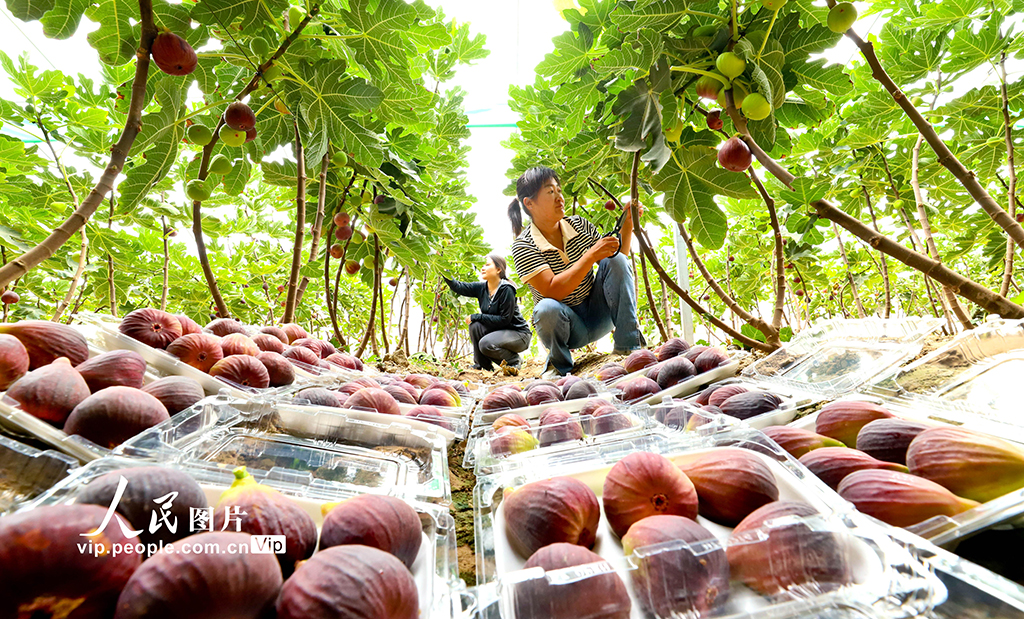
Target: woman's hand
(469,321)
(604,248)
(627,221)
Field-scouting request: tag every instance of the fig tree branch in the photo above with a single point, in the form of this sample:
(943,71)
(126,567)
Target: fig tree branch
(167,263)
(317,224)
(650,299)
(1004,289)
(373,307)
(884,267)
(946,157)
(849,274)
(118,154)
(780,275)
(300,224)
(112,290)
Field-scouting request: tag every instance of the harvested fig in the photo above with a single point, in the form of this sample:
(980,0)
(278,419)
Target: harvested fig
(188,325)
(602,595)
(610,371)
(117,367)
(608,419)
(731,483)
(400,394)
(677,580)
(238,344)
(242,370)
(888,439)
(429,414)
(900,499)
(327,349)
(543,394)
(51,392)
(200,350)
(301,355)
(173,55)
(560,509)
(350,581)
(318,396)
(771,558)
(797,441)
(694,352)
(558,426)
(343,360)
(265,511)
(435,395)
(970,464)
(653,372)
(703,398)
(843,420)
(539,383)
(646,484)
(638,388)
(353,386)
(510,419)
(723,393)
(277,332)
(503,398)
(374,398)
(314,345)
(750,404)
(220,582)
(114,415)
(152,327)
(672,348)
(45,341)
(638,360)
(383,522)
(508,440)
(832,464)
(279,369)
(44,574)
(420,381)
(176,393)
(225,326)
(709,360)
(565,382)
(13,360)
(294,332)
(579,389)
(673,372)
(149,492)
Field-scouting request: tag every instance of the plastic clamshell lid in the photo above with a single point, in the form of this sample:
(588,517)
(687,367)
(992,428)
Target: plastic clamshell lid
(19,422)
(494,451)
(794,400)
(694,383)
(328,448)
(837,356)
(26,472)
(435,568)
(884,576)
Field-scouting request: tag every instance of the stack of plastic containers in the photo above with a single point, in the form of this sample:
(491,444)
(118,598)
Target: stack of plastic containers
(26,472)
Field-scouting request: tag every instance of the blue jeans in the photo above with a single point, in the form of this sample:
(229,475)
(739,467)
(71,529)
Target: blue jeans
(610,305)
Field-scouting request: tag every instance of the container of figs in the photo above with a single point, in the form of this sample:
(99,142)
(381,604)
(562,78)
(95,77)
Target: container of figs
(658,526)
(513,439)
(530,399)
(229,543)
(838,356)
(27,472)
(678,376)
(436,402)
(78,399)
(226,355)
(760,403)
(334,450)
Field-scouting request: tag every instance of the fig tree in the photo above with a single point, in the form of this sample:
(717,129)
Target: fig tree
(239,116)
(197,190)
(220,165)
(708,87)
(731,65)
(756,107)
(841,17)
(232,137)
(339,159)
(200,135)
(173,55)
(735,155)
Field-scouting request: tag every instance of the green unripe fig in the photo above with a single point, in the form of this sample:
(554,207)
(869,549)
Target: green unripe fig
(841,17)
(773,5)
(708,87)
(232,137)
(367,198)
(916,101)
(295,15)
(259,47)
(756,107)
(369,264)
(220,165)
(706,31)
(672,135)
(200,135)
(272,73)
(739,93)
(730,65)
(197,190)
(340,159)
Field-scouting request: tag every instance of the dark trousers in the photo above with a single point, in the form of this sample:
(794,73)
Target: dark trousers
(491,347)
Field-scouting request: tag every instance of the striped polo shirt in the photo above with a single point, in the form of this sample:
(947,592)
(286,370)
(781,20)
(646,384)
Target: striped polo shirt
(532,254)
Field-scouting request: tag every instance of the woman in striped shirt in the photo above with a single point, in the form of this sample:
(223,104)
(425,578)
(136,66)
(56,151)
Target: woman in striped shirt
(555,255)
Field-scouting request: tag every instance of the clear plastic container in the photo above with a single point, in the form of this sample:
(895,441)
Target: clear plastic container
(435,568)
(20,423)
(838,356)
(881,577)
(488,450)
(330,449)
(793,400)
(26,472)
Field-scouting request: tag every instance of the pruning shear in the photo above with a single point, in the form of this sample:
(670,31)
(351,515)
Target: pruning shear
(617,230)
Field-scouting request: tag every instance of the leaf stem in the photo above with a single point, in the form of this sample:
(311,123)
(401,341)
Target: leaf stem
(771,24)
(688,69)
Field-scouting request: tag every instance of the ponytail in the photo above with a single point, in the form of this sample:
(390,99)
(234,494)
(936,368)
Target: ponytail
(515,217)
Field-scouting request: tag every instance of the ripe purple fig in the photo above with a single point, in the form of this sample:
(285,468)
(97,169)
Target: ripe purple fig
(735,155)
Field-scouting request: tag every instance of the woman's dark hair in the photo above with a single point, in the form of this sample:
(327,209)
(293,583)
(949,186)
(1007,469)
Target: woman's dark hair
(500,265)
(527,186)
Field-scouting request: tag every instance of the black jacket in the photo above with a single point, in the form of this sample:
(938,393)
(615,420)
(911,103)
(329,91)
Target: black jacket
(498,312)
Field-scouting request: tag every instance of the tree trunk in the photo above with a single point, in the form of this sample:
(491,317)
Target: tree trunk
(849,275)
(650,300)
(368,336)
(111,288)
(317,225)
(884,266)
(300,226)
(1004,289)
(167,266)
